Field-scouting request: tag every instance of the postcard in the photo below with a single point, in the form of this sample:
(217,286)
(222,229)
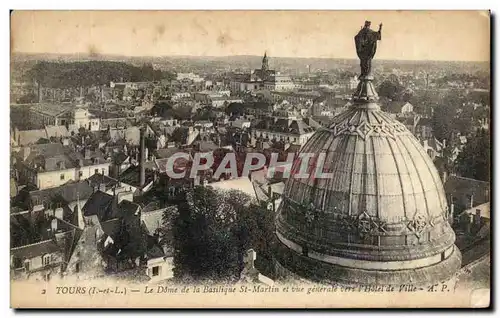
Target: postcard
(250,159)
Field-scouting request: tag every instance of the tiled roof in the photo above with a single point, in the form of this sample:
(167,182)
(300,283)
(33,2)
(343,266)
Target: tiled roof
(97,179)
(127,208)
(52,109)
(68,192)
(111,227)
(98,204)
(57,131)
(290,126)
(34,250)
(55,156)
(456,185)
(152,219)
(29,137)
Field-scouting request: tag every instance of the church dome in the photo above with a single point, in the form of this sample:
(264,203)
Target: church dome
(382,218)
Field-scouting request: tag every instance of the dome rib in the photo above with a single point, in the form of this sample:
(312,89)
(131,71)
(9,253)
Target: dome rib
(440,193)
(352,174)
(405,215)
(376,176)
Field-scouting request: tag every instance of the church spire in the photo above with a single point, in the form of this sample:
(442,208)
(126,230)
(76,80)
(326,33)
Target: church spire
(265,63)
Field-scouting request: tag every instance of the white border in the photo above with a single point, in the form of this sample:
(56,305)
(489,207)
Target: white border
(187,4)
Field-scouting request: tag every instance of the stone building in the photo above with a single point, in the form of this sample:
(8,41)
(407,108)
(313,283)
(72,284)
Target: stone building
(382,220)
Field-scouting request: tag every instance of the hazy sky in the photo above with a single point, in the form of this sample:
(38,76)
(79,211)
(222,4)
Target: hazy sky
(408,35)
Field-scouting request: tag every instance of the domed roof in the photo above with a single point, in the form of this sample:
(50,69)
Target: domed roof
(384,207)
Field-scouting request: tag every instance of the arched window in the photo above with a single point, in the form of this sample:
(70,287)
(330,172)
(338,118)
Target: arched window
(46,260)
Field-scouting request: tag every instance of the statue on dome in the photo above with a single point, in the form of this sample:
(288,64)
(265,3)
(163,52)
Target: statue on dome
(366,46)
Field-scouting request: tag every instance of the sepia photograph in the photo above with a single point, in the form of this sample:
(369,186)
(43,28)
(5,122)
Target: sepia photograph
(250,159)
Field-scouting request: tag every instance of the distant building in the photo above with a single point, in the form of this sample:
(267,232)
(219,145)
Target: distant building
(465,193)
(279,83)
(51,114)
(51,165)
(189,76)
(295,131)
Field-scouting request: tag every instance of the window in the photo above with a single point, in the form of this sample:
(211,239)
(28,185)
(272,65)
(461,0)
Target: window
(96,171)
(27,265)
(305,251)
(156,270)
(17,262)
(46,260)
(62,176)
(80,173)
(77,267)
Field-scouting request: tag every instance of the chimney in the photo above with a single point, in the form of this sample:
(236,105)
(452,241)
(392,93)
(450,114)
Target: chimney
(26,152)
(53,225)
(142,175)
(444,176)
(451,217)
(102,187)
(87,153)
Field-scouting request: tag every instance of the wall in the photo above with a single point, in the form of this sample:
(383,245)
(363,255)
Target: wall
(45,180)
(165,271)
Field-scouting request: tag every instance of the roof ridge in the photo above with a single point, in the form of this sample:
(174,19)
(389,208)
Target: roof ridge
(32,244)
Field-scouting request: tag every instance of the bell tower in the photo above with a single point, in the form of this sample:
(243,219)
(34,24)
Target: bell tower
(265,64)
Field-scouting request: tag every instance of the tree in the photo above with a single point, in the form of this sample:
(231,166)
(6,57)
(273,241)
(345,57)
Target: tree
(212,231)
(444,120)
(205,239)
(391,88)
(257,232)
(235,109)
(474,160)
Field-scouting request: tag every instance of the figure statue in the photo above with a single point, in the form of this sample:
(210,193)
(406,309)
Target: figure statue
(366,46)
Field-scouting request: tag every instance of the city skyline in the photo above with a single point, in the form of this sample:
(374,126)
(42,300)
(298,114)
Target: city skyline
(215,34)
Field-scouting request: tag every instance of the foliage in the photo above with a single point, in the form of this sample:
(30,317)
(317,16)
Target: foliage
(391,88)
(167,109)
(212,231)
(474,160)
(28,98)
(87,74)
(235,109)
(444,119)
(205,113)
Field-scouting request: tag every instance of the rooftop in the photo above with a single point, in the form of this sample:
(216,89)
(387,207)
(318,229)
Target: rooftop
(34,250)
(52,109)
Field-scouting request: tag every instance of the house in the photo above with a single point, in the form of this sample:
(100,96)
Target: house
(31,137)
(58,201)
(51,165)
(40,261)
(465,193)
(295,131)
(278,82)
(240,123)
(399,108)
(51,114)
(433,147)
(475,220)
